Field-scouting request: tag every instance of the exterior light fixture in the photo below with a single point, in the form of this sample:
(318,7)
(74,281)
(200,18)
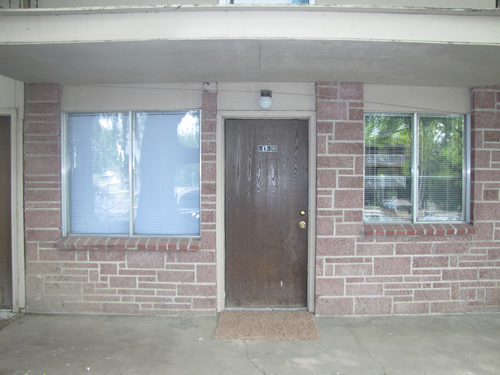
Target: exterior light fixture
(265,100)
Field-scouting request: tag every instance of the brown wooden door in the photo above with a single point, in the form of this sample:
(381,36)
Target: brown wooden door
(266,188)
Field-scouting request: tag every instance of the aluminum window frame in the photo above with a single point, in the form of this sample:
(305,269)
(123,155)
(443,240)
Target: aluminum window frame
(65,185)
(466,168)
(263,3)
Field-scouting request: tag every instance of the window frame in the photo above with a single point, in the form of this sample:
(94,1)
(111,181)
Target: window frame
(65,175)
(466,168)
(263,3)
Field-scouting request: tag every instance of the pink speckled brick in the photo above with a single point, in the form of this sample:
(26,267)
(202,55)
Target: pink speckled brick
(205,273)
(484,99)
(209,101)
(349,131)
(364,290)
(348,199)
(146,259)
(326,93)
(330,287)
(196,290)
(430,261)
(432,295)
(332,110)
(351,91)
(353,270)
(412,308)
(326,178)
(335,246)
(392,266)
(46,92)
(375,249)
(335,306)
(372,306)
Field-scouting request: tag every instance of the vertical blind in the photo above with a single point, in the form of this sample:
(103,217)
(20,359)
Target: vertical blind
(160,151)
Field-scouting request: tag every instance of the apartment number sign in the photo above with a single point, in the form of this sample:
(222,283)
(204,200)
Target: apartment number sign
(268,148)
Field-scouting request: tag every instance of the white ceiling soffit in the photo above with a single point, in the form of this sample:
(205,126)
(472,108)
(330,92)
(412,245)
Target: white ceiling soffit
(197,44)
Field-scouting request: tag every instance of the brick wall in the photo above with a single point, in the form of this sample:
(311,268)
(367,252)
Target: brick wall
(406,269)
(153,276)
(360,269)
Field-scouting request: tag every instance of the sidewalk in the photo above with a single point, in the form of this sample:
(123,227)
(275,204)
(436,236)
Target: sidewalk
(82,344)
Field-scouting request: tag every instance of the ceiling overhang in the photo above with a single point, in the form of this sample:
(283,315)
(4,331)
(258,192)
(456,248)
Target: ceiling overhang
(265,44)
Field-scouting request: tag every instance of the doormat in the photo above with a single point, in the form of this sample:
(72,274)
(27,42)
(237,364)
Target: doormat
(266,325)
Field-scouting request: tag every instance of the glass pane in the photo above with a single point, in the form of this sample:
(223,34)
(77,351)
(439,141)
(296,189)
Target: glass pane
(388,157)
(273,2)
(167,173)
(98,173)
(440,185)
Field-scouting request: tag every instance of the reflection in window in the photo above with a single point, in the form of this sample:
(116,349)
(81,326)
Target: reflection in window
(98,173)
(440,182)
(270,2)
(393,193)
(167,174)
(160,151)
(388,158)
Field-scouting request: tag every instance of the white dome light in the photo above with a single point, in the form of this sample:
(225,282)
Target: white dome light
(265,100)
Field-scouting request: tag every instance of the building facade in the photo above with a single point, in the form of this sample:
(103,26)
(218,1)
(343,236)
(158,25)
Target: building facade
(279,204)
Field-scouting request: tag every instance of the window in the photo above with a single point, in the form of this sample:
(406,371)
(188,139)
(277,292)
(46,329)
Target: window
(416,168)
(132,173)
(267,2)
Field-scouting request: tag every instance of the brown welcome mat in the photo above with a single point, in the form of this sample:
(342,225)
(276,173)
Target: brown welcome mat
(266,325)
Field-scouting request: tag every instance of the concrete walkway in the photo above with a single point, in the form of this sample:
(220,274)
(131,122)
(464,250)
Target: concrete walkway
(76,344)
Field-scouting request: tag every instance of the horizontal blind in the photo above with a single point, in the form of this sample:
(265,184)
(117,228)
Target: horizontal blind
(167,173)
(98,173)
(441,164)
(388,157)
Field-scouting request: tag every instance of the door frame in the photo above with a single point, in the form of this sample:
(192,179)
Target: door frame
(222,116)
(17,204)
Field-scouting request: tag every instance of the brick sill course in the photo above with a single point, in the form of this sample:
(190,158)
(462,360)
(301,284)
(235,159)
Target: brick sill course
(370,230)
(128,243)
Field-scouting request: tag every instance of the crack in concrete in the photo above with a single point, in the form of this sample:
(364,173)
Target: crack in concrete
(366,350)
(252,362)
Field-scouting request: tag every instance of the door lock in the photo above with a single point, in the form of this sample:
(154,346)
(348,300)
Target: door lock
(302,224)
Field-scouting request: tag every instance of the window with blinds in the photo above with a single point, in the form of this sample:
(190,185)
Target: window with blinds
(132,173)
(415,168)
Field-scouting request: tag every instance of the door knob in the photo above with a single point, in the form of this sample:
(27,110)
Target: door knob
(302,224)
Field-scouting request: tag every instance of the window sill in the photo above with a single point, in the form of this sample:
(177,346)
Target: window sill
(128,243)
(371,230)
